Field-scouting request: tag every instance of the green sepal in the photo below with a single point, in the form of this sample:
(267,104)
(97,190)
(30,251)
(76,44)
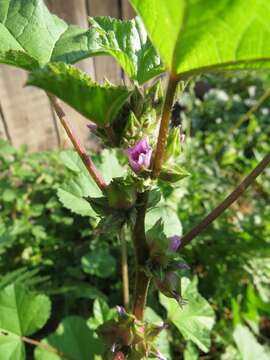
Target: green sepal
(173,144)
(121,194)
(173,173)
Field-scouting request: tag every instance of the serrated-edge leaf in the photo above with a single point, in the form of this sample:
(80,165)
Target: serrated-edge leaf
(98,103)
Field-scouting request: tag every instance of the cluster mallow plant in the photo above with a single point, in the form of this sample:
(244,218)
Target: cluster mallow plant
(179,39)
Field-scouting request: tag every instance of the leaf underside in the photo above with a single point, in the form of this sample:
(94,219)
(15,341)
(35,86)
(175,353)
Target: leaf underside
(201,36)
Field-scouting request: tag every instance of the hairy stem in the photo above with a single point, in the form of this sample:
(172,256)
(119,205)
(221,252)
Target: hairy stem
(141,251)
(125,279)
(187,238)
(164,126)
(90,166)
(44,346)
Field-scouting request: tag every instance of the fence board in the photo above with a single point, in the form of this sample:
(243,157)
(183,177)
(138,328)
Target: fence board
(106,67)
(3,134)
(26,111)
(74,12)
(127,10)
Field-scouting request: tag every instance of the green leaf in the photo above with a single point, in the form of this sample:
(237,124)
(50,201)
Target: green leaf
(72,193)
(128,43)
(162,341)
(98,103)
(247,344)
(208,35)
(195,319)
(172,224)
(102,313)
(191,352)
(99,263)
(21,313)
(74,339)
(31,36)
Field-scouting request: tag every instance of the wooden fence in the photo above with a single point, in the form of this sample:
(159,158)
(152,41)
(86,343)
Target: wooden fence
(26,116)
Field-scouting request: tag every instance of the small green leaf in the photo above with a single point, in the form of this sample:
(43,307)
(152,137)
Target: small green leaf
(195,319)
(99,263)
(75,203)
(208,35)
(98,103)
(172,224)
(74,339)
(128,43)
(21,313)
(102,313)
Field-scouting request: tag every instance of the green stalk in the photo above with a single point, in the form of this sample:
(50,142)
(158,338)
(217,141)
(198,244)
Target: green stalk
(164,126)
(141,251)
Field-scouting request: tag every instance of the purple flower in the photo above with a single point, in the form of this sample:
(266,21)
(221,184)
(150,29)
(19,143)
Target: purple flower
(139,155)
(160,356)
(92,127)
(121,311)
(175,242)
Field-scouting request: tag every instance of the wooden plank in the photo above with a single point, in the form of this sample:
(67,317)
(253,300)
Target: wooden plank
(127,10)
(26,111)
(3,134)
(106,67)
(74,12)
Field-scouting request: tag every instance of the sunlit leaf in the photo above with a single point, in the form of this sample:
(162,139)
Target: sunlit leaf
(196,36)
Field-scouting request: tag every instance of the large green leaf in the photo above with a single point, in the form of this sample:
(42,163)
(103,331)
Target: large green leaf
(128,43)
(196,36)
(99,263)
(31,36)
(21,313)
(74,339)
(195,319)
(99,103)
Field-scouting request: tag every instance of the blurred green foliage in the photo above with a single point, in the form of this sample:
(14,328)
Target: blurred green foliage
(57,252)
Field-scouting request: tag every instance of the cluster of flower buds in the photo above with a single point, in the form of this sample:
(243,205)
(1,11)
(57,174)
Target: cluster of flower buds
(130,338)
(165,266)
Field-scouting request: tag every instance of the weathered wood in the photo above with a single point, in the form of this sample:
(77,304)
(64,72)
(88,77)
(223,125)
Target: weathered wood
(3,134)
(106,67)
(127,10)
(74,12)
(26,111)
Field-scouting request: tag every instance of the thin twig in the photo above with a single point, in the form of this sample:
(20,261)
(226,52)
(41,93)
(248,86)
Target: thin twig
(89,164)
(44,346)
(187,238)
(124,268)
(164,126)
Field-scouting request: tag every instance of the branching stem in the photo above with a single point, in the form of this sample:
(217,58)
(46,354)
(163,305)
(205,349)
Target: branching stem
(187,238)
(89,164)
(164,126)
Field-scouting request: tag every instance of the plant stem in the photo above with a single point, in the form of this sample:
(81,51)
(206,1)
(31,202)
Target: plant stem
(187,238)
(125,279)
(44,346)
(141,250)
(164,126)
(89,164)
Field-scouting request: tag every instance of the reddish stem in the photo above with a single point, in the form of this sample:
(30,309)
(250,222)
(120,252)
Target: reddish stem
(187,238)
(141,251)
(89,164)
